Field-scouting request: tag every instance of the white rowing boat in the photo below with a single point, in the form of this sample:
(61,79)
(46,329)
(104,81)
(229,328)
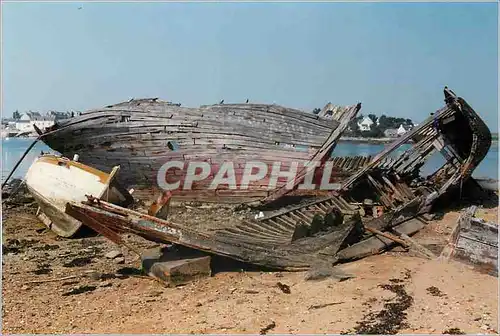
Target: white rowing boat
(54,181)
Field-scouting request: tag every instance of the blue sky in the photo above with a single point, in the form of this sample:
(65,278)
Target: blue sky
(394,58)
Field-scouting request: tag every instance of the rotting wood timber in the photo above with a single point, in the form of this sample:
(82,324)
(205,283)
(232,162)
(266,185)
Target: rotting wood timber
(455,131)
(141,135)
(386,194)
(474,241)
(267,243)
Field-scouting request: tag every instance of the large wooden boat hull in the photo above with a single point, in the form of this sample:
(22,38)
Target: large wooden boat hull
(53,181)
(142,135)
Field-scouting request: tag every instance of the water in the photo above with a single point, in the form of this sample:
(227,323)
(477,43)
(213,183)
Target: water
(13,149)
(487,169)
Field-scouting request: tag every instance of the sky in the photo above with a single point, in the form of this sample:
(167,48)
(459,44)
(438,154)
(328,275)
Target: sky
(394,58)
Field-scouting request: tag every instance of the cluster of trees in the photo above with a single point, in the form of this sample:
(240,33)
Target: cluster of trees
(376,131)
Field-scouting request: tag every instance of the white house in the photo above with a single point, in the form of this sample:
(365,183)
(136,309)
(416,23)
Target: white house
(365,124)
(401,130)
(28,119)
(391,133)
(24,126)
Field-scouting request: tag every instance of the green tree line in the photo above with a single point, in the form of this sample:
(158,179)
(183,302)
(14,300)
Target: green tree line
(376,131)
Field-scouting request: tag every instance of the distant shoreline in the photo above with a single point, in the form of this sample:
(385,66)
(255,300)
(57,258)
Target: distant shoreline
(367,140)
(375,141)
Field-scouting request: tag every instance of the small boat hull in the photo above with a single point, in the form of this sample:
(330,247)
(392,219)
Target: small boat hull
(54,181)
(51,215)
(474,241)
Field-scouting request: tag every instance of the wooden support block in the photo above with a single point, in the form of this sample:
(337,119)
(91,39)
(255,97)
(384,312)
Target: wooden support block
(178,270)
(43,217)
(416,246)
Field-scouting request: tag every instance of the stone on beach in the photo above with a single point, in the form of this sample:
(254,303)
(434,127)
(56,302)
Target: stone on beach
(113,254)
(174,269)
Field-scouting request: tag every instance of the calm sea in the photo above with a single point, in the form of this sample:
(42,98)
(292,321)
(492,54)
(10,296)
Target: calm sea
(13,149)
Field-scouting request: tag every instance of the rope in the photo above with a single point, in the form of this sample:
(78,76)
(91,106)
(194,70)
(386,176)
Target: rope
(461,183)
(19,162)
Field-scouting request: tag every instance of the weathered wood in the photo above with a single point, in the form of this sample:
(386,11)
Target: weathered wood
(276,241)
(53,181)
(299,254)
(463,219)
(173,269)
(442,113)
(416,246)
(140,135)
(377,244)
(322,154)
(258,126)
(386,235)
(474,241)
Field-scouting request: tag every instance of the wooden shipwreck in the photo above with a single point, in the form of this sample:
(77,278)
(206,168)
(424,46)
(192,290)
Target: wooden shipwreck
(377,205)
(141,135)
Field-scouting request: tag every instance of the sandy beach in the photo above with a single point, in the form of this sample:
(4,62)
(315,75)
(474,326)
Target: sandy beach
(55,285)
